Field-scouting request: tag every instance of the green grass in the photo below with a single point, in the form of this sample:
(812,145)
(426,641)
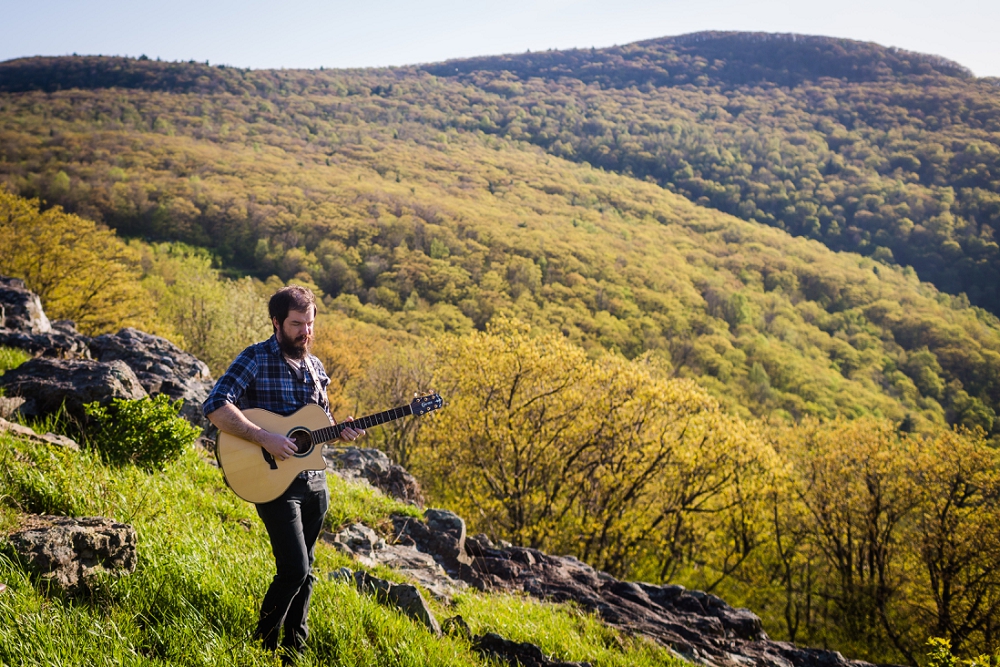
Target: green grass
(11,358)
(204,563)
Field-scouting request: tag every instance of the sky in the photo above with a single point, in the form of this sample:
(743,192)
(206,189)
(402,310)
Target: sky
(376,33)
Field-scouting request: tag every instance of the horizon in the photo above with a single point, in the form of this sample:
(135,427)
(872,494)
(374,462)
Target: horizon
(307,34)
(492,55)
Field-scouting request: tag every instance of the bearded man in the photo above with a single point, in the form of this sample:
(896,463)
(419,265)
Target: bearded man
(281,375)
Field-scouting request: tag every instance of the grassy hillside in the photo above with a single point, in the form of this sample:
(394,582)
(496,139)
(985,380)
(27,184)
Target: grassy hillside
(204,563)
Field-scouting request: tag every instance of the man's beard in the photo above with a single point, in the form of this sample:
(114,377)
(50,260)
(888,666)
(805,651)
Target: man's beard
(294,349)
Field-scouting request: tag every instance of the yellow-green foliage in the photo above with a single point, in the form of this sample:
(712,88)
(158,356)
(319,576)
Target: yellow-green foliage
(605,459)
(211,317)
(896,534)
(430,232)
(82,271)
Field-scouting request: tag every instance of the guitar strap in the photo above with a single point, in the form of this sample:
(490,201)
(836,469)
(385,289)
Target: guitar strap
(317,387)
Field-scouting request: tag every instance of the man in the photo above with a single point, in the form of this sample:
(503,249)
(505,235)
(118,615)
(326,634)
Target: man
(281,375)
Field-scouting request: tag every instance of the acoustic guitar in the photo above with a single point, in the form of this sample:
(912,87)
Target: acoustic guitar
(257,477)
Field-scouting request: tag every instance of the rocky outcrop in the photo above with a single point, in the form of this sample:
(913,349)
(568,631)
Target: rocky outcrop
(67,553)
(24,325)
(373,466)
(160,366)
(369,549)
(46,385)
(441,534)
(698,626)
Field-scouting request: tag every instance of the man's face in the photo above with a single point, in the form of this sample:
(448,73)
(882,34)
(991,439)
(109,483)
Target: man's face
(295,335)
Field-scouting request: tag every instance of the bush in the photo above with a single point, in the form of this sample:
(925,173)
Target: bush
(146,432)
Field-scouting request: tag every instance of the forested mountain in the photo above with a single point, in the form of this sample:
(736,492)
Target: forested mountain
(390,190)
(883,152)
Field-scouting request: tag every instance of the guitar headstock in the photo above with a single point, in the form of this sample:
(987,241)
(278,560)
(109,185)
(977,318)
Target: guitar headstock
(424,404)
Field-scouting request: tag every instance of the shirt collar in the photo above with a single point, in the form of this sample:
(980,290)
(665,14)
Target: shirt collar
(272,346)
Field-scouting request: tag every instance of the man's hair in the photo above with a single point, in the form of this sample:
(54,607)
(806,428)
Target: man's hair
(293,297)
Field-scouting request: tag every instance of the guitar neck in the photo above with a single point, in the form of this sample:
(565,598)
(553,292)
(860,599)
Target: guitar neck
(319,436)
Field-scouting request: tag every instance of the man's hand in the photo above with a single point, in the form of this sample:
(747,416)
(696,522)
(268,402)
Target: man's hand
(229,419)
(279,446)
(351,434)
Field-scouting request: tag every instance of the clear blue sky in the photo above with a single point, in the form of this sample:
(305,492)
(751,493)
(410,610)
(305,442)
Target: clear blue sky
(311,33)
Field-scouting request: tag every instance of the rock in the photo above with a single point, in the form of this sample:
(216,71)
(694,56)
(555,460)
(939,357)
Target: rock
(369,549)
(442,535)
(9,406)
(378,470)
(405,597)
(58,344)
(48,384)
(358,540)
(47,438)
(494,646)
(699,626)
(24,325)
(21,309)
(160,366)
(67,553)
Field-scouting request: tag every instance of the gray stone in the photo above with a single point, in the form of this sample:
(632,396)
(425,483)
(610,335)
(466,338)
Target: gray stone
(405,597)
(9,406)
(49,384)
(441,534)
(67,553)
(357,540)
(369,549)
(27,433)
(160,366)
(21,309)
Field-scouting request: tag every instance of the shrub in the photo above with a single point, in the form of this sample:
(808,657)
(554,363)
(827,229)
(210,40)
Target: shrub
(146,432)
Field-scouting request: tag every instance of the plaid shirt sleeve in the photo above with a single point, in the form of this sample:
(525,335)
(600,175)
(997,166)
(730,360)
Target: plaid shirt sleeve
(234,382)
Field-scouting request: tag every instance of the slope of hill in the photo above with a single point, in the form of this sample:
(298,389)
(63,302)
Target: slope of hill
(345,179)
(883,152)
(888,153)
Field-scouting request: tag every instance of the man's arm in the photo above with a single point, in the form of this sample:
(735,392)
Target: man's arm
(228,418)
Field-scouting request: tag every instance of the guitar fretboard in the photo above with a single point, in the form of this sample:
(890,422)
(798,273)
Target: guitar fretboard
(329,433)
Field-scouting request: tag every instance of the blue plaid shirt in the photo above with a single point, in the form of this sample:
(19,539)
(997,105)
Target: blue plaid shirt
(260,378)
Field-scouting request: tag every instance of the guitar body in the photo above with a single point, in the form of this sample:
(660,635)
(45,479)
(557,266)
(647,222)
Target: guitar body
(252,472)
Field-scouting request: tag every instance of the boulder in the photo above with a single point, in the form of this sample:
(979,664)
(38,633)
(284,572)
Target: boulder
(47,384)
(441,534)
(21,309)
(369,549)
(377,469)
(160,366)
(66,553)
(405,597)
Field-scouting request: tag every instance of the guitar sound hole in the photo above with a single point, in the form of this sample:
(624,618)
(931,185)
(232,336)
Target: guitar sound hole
(302,440)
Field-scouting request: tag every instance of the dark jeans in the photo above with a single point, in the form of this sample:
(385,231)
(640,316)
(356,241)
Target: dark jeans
(293,522)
